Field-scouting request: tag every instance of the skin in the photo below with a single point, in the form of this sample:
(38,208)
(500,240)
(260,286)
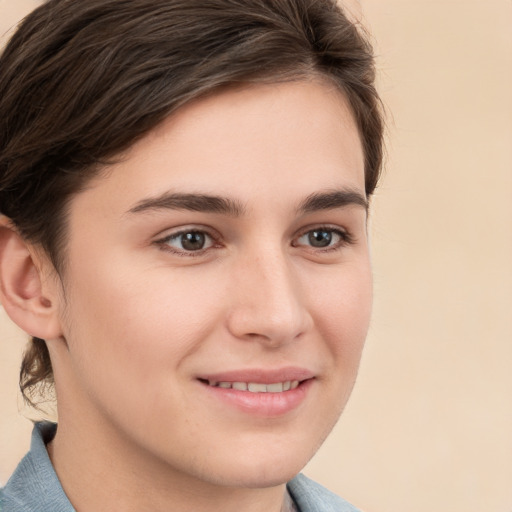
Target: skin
(138,317)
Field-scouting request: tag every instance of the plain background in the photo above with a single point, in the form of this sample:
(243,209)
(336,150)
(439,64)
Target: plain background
(429,425)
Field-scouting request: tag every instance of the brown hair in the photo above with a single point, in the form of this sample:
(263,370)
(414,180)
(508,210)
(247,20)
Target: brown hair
(80,82)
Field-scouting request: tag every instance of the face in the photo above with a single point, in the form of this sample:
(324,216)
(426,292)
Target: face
(217,290)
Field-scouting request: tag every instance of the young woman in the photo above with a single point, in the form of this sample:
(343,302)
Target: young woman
(184,191)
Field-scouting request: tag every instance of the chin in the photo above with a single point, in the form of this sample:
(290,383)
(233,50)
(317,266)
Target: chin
(266,465)
(258,476)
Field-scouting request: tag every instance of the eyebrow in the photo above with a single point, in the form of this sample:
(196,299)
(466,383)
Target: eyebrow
(225,206)
(333,199)
(191,202)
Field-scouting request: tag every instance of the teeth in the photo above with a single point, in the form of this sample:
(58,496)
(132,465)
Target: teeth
(275,388)
(257,387)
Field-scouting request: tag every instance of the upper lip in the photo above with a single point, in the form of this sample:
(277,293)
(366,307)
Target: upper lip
(259,375)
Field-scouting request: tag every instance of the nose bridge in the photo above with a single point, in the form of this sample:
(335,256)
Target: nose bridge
(268,304)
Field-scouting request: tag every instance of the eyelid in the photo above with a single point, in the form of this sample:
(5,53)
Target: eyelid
(162,241)
(345,235)
(186,228)
(346,238)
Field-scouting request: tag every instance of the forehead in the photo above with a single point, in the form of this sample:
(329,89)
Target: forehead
(244,140)
(313,110)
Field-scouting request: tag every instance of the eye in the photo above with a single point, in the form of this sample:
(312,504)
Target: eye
(322,238)
(188,241)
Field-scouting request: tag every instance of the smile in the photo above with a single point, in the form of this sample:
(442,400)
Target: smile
(257,387)
(271,398)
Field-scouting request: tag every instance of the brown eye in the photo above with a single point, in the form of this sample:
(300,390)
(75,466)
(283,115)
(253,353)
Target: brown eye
(189,241)
(192,241)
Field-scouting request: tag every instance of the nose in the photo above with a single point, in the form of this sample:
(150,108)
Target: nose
(268,304)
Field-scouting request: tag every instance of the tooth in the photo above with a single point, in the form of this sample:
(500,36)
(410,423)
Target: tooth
(275,388)
(256,387)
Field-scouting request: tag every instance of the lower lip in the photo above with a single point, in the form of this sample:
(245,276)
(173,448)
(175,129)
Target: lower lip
(262,404)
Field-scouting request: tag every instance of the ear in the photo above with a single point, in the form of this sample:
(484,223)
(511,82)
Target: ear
(28,291)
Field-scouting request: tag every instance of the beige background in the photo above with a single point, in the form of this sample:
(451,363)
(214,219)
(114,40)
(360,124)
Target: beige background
(429,426)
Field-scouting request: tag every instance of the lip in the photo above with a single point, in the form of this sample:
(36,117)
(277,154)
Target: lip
(260,404)
(260,376)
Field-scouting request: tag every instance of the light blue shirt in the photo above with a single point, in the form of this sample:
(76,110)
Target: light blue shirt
(34,486)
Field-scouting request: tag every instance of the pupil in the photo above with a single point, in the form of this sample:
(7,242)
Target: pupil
(192,241)
(320,238)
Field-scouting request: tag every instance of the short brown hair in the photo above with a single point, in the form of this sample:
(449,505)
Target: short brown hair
(80,82)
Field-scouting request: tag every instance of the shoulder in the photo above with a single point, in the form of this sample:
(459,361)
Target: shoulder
(34,486)
(312,497)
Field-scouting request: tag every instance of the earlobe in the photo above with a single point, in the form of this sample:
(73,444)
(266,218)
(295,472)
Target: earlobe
(28,303)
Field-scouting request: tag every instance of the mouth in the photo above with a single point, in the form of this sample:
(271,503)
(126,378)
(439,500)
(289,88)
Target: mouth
(254,387)
(264,393)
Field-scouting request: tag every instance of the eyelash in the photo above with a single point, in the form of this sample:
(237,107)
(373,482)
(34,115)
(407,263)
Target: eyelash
(345,238)
(163,243)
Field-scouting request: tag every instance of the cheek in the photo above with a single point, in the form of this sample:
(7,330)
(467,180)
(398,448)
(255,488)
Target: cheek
(138,326)
(342,315)
(343,312)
